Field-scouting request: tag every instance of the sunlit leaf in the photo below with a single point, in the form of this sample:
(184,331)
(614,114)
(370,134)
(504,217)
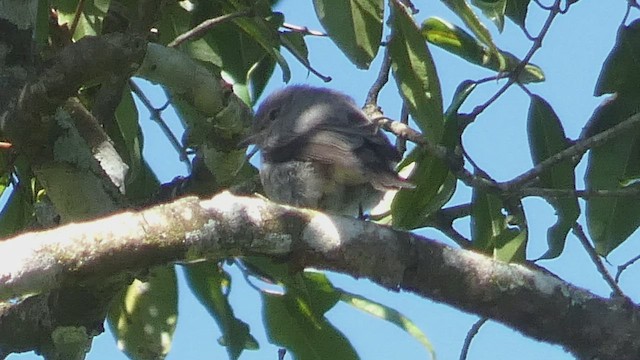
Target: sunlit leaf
(354,25)
(90,19)
(457,41)
(144,317)
(388,314)
(494,10)
(415,73)
(493,229)
(464,11)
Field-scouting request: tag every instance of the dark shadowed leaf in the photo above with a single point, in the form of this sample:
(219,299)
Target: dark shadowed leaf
(516,10)
(546,138)
(611,220)
(354,25)
(621,69)
(17,212)
(295,319)
(210,284)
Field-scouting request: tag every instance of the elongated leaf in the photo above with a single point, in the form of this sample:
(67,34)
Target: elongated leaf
(546,138)
(89,21)
(434,185)
(207,282)
(415,73)
(457,41)
(354,25)
(494,232)
(464,12)
(17,212)
(621,70)
(389,314)
(611,220)
(144,317)
(494,10)
(516,10)
(296,320)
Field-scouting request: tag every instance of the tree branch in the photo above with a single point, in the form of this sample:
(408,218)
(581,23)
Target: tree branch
(524,298)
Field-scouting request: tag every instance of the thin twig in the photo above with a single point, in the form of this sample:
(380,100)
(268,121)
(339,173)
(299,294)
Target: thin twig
(401,143)
(515,74)
(381,80)
(542,6)
(157,117)
(623,267)
(584,194)
(303,60)
(454,163)
(576,150)
(199,30)
(579,232)
(303,29)
(470,335)
(76,17)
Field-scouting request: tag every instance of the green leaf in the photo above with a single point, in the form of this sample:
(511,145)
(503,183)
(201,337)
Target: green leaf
(493,9)
(90,20)
(611,220)
(354,25)
(144,186)
(434,182)
(245,50)
(17,212)
(313,287)
(516,10)
(464,12)
(463,90)
(295,319)
(547,138)
(144,317)
(290,324)
(129,133)
(208,282)
(434,187)
(621,70)
(458,42)
(415,73)
(502,236)
(389,314)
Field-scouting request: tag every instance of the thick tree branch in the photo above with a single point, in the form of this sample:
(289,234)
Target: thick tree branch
(524,298)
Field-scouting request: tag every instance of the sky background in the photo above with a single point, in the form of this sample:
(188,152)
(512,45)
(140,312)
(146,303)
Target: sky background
(571,57)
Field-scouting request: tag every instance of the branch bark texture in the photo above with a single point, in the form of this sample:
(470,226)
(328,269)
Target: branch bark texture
(532,301)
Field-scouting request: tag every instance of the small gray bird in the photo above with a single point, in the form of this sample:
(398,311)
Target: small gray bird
(319,150)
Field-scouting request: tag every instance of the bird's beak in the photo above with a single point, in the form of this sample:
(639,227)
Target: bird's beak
(250,139)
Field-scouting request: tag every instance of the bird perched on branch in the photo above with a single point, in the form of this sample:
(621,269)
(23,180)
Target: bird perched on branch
(319,150)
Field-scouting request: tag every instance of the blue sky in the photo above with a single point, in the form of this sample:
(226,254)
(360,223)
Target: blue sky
(571,58)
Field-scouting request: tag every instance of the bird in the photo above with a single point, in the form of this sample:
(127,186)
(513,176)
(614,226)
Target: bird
(319,150)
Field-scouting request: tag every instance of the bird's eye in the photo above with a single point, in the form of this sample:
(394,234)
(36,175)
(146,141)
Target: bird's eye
(273,113)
